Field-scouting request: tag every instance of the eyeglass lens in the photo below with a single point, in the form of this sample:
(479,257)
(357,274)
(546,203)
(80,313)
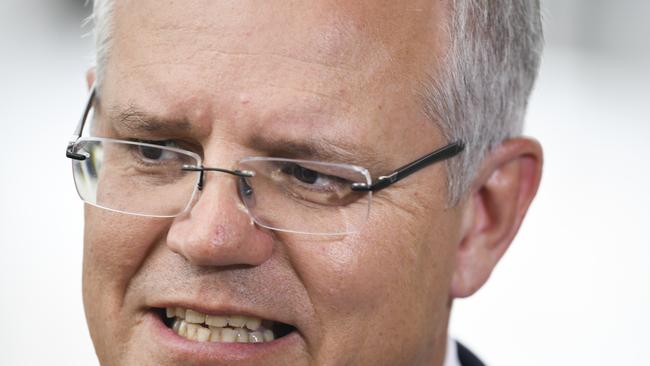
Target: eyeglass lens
(134,178)
(284,194)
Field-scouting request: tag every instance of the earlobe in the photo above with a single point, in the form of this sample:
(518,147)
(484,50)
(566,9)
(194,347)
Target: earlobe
(503,189)
(90,77)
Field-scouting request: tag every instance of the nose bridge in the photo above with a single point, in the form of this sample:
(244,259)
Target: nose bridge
(217,230)
(219,193)
(218,210)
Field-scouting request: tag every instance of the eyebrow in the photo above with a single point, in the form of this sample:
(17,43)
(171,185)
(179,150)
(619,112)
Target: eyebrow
(317,148)
(135,120)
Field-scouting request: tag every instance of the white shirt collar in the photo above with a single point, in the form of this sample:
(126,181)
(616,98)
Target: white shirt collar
(451,356)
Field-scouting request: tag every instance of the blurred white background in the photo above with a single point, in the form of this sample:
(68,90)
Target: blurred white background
(573,290)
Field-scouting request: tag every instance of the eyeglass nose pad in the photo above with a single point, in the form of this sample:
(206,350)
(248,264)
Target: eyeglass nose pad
(246,192)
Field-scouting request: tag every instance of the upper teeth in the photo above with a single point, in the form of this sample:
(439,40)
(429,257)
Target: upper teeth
(197,326)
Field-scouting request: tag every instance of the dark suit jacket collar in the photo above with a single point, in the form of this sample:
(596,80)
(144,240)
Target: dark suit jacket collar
(466,357)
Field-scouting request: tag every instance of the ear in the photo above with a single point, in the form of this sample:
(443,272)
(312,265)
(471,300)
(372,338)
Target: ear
(494,208)
(90,77)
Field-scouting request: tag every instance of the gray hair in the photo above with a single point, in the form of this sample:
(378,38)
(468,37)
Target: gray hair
(480,92)
(101,18)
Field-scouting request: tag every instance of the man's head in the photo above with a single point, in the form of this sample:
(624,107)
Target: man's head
(383,83)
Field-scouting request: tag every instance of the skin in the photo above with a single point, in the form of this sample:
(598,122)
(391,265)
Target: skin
(345,71)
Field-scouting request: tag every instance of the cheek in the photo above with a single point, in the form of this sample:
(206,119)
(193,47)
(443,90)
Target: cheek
(389,280)
(115,246)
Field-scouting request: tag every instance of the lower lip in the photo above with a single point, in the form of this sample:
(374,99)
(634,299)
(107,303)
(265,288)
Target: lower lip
(185,350)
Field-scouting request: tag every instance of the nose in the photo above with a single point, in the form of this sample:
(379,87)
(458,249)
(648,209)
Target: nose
(217,230)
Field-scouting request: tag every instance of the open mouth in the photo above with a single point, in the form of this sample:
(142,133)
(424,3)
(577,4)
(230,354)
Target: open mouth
(199,327)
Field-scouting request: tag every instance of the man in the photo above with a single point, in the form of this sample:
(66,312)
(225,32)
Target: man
(241,164)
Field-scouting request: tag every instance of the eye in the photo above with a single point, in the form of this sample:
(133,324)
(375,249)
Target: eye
(302,174)
(150,152)
(325,179)
(155,153)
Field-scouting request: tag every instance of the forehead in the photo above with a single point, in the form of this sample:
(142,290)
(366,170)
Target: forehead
(343,67)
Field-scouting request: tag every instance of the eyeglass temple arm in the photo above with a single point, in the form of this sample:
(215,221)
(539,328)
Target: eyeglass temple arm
(80,126)
(441,154)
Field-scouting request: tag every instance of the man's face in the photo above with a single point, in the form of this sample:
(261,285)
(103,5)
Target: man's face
(237,73)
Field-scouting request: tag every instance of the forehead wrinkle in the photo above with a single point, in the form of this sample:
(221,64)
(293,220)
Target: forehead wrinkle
(190,57)
(331,41)
(319,37)
(319,94)
(336,65)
